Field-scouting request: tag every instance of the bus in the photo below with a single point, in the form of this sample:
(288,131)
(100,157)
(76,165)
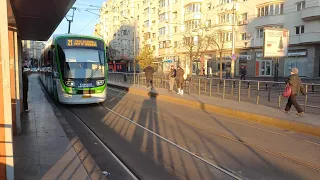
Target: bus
(74,69)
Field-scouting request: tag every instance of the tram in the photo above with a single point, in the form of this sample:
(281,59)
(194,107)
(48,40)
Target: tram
(73,69)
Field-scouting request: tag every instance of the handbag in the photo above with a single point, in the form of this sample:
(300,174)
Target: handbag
(287,91)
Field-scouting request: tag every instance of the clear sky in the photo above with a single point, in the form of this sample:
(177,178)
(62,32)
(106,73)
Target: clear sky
(83,22)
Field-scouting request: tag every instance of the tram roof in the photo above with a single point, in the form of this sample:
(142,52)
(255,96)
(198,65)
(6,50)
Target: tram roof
(55,36)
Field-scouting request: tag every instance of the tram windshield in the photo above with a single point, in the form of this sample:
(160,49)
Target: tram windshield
(83,63)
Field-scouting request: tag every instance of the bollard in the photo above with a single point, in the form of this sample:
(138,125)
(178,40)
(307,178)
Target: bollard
(269,95)
(232,87)
(312,87)
(306,99)
(199,86)
(210,88)
(224,89)
(205,86)
(239,91)
(258,96)
(279,97)
(249,90)
(218,87)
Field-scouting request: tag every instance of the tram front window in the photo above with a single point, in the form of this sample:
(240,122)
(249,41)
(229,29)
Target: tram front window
(83,63)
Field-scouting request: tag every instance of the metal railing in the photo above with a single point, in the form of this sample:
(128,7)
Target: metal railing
(267,93)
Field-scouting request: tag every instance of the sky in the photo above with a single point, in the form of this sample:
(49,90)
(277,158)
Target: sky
(83,21)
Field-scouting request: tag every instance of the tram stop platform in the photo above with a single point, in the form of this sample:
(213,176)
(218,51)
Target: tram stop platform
(45,149)
(308,123)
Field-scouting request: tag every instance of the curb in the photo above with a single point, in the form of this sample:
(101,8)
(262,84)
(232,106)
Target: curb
(266,120)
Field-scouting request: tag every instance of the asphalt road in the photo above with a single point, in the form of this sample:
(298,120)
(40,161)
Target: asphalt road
(244,148)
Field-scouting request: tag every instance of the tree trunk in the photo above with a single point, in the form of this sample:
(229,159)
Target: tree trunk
(220,65)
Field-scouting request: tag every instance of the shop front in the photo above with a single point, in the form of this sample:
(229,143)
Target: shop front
(264,66)
(296,59)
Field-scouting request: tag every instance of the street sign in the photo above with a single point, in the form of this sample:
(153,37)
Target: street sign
(234,56)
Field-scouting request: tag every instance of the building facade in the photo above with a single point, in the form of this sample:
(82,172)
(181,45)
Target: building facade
(33,50)
(163,25)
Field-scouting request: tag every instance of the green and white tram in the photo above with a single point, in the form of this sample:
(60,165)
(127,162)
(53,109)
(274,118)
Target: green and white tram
(74,69)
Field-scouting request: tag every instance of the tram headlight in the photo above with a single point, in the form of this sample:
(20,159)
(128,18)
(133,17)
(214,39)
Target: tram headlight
(69,83)
(100,82)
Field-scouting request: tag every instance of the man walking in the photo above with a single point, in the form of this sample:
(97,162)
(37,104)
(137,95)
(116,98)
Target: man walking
(243,73)
(296,87)
(172,76)
(180,80)
(25,87)
(149,76)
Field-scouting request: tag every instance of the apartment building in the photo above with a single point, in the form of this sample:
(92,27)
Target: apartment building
(163,26)
(34,49)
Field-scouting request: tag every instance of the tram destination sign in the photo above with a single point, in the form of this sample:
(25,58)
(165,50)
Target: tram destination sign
(81,43)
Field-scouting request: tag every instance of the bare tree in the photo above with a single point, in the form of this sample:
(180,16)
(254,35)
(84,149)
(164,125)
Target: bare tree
(218,40)
(196,44)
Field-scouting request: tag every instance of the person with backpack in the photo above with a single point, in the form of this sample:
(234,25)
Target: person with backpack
(296,87)
(180,80)
(172,76)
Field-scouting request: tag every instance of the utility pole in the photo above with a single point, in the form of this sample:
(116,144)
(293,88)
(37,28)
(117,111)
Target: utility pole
(134,57)
(233,36)
(71,20)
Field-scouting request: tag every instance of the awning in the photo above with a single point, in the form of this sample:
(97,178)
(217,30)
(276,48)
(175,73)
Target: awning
(37,19)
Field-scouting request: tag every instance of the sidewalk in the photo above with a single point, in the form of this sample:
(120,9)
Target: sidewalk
(43,150)
(308,123)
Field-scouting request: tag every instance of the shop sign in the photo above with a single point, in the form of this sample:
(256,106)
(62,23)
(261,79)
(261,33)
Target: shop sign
(299,53)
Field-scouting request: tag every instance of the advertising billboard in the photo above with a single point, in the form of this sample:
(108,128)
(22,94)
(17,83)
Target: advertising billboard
(276,42)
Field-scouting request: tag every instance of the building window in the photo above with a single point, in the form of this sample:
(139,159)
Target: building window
(209,6)
(271,9)
(146,36)
(244,36)
(146,23)
(192,8)
(225,2)
(225,18)
(193,24)
(153,35)
(301,5)
(154,47)
(175,14)
(162,31)
(163,3)
(163,17)
(146,11)
(259,33)
(175,29)
(299,29)
(208,23)
(175,44)
(164,44)
(265,67)
(154,10)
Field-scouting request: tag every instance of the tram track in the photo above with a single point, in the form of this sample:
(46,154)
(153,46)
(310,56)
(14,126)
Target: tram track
(221,135)
(222,118)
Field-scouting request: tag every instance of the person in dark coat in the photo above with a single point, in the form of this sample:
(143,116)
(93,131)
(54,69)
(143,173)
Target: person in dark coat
(243,73)
(296,87)
(180,80)
(25,87)
(172,76)
(149,76)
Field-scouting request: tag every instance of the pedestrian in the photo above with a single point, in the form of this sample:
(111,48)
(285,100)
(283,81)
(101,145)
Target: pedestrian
(25,87)
(228,72)
(296,87)
(149,76)
(172,76)
(243,73)
(180,80)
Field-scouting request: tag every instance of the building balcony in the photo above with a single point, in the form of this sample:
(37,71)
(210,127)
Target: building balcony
(269,20)
(186,2)
(313,37)
(192,16)
(164,51)
(311,13)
